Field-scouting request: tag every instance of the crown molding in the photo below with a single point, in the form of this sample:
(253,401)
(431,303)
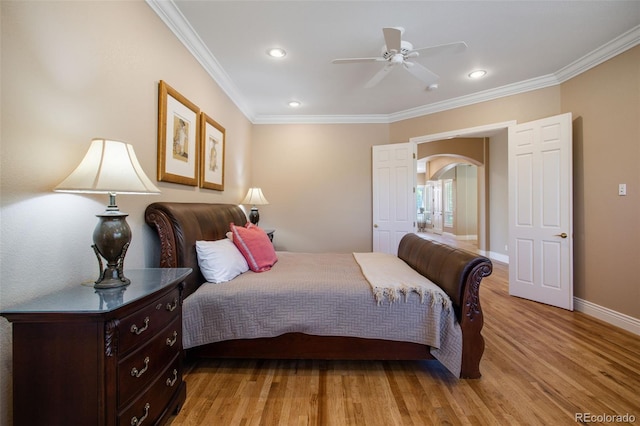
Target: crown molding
(175,20)
(615,47)
(322,119)
(474,98)
(177,23)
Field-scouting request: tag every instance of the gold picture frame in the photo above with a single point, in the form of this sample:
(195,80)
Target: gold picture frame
(178,137)
(212,153)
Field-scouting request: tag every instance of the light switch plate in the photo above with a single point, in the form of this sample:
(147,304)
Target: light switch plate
(622,189)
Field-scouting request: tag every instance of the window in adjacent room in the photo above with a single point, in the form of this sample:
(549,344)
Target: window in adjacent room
(447,190)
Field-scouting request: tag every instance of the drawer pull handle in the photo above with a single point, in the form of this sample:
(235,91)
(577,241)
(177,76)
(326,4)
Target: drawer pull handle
(170,341)
(136,330)
(136,373)
(170,382)
(173,307)
(135,421)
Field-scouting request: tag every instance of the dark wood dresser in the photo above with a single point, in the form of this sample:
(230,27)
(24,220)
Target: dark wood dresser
(83,356)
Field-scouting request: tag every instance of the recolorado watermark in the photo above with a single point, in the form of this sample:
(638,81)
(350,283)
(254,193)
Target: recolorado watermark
(604,418)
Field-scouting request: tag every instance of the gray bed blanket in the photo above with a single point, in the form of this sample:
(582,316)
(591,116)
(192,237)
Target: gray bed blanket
(319,294)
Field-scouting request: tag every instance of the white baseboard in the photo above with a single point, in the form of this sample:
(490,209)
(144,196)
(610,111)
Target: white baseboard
(503,258)
(607,315)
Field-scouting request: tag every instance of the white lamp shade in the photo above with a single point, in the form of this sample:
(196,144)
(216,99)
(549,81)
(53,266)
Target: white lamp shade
(108,167)
(255,197)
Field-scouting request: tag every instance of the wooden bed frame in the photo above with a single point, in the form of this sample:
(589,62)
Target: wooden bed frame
(457,272)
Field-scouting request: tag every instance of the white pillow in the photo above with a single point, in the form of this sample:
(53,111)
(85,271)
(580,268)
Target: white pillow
(220,260)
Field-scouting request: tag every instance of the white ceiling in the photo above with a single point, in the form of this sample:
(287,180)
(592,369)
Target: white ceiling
(523,45)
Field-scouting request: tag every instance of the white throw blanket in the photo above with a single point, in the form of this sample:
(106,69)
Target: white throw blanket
(390,277)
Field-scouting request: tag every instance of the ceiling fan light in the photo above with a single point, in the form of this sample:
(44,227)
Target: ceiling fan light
(477,74)
(276,52)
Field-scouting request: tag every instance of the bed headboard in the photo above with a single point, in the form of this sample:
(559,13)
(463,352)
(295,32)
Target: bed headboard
(180,225)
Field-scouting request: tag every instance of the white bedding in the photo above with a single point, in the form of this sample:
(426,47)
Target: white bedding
(320,294)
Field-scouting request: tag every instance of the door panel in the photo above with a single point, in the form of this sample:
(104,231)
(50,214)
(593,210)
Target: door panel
(541,211)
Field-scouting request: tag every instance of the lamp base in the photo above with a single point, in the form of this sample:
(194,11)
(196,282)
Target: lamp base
(254,216)
(111,239)
(112,276)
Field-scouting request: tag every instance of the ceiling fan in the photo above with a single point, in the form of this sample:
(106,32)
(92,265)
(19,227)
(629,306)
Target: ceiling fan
(398,52)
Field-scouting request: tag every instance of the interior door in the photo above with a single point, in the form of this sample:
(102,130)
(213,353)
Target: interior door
(541,211)
(394,202)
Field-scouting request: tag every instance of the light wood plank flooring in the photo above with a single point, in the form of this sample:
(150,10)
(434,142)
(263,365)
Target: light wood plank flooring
(542,366)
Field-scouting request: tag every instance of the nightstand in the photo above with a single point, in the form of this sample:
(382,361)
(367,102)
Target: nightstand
(270,233)
(83,356)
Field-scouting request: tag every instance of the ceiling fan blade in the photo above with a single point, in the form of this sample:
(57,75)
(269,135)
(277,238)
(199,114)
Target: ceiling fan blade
(455,47)
(377,78)
(421,73)
(393,38)
(354,60)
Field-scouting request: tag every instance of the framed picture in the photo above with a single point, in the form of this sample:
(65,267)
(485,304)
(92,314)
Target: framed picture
(212,152)
(178,137)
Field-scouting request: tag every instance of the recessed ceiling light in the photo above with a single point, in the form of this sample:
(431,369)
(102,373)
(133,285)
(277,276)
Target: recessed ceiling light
(276,52)
(477,74)
(294,104)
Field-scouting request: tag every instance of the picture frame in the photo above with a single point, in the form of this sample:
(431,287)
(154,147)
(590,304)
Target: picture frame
(178,137)
(212,153)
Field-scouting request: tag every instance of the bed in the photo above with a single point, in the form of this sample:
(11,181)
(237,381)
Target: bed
(284,313)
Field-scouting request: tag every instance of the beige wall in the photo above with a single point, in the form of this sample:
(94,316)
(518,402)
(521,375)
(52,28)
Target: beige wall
(72,71)
(605,102)
(466,209)
(498,197)
(317,179)
(467,148)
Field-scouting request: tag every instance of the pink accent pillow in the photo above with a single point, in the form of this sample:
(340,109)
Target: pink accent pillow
(255,246)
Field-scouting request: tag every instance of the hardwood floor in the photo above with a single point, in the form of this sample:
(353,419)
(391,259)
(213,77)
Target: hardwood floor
(542,366)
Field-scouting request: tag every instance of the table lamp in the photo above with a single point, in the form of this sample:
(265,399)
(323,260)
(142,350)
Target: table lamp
(109,167)
(255,198)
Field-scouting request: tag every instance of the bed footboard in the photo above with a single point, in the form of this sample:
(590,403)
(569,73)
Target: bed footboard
(459,274)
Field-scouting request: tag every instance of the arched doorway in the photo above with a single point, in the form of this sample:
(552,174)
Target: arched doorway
(447,188)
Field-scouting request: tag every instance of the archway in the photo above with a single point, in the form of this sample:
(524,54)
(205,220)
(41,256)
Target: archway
(447,187)
(489,225)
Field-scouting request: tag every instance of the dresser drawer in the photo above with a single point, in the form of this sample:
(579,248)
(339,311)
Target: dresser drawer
(143,366)
(148,408)
(138,328)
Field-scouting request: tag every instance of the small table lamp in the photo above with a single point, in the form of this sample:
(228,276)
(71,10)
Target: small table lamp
(109,167)
(255,198)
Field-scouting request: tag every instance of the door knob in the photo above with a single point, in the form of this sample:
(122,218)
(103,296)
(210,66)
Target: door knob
(563,235)
(375,225)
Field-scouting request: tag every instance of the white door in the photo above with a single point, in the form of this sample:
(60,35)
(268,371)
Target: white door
(437,207)
(394,202)
(540,211)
